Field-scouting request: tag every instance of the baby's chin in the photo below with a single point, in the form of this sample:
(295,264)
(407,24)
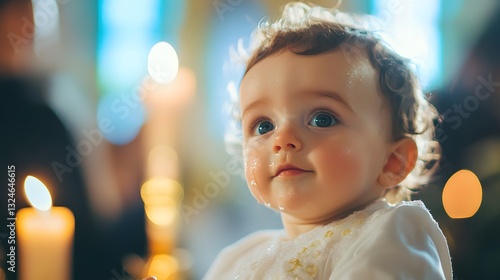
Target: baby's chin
(295,207)
(293,201)
(308,217)
(280,206)
(314,213)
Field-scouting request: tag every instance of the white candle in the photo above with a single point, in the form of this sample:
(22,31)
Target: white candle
(44,236)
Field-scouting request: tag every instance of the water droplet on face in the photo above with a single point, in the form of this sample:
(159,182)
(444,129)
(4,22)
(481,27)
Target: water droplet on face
(253,184)
(255,192)
(254,165)
(348,153)
(268,205)
(281,208)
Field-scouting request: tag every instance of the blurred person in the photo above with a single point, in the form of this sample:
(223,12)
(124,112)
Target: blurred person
(335,134)
(34,137)
(36,142)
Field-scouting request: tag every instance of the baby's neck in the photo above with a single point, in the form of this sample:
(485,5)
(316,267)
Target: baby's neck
(295,226)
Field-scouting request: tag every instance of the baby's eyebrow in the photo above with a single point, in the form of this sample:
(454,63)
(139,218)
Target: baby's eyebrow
(337,97)
(253,104)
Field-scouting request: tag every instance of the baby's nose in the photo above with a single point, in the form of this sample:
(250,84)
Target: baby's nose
(286,139)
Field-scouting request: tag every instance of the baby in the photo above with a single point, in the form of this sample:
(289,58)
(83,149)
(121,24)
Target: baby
(334,129)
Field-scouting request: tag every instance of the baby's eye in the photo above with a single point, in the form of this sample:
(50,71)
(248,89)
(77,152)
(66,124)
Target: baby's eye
(323,119)
(263,127)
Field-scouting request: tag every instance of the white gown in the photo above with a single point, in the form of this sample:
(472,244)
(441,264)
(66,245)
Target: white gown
(382,241)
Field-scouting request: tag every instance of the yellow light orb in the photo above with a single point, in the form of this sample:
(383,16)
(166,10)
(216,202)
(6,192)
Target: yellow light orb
(462,195)
(163,267)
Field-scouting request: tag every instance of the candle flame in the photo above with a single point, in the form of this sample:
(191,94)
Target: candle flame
(37,193)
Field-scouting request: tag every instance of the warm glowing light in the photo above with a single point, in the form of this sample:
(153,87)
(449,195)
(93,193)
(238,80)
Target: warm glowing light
(163,160)
(160,191)
(163,266)
(179,92)
(161,196)
(462,195)
(162,215)
(163,63)
(38,195)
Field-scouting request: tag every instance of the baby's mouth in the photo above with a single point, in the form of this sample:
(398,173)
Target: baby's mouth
(289,171)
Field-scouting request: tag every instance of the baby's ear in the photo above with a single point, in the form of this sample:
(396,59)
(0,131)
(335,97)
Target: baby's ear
(400,163)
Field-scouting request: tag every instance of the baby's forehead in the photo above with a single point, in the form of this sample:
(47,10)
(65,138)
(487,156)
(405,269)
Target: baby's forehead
(338,68)
(360,70)
(351,76)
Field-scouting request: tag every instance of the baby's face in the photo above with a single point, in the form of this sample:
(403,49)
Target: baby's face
(315,133)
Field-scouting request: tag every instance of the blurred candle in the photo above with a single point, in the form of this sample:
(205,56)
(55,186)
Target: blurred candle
(44,235)
(162,197)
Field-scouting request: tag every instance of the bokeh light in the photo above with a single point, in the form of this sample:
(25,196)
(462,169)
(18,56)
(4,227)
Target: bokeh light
(412,29)
(462,195)
(162,160)
(163,267)
(163,63)
(161,196)
(160,191)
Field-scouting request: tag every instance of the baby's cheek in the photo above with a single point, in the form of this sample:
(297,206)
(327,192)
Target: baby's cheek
(344,166)
(249,164)
(252,170)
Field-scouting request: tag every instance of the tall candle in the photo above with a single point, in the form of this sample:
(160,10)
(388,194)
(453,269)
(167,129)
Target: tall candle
(44,236)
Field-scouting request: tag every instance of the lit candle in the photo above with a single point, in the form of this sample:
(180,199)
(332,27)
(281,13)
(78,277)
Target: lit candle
(45,236)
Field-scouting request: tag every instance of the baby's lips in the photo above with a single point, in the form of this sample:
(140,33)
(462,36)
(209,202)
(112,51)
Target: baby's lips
(289,169)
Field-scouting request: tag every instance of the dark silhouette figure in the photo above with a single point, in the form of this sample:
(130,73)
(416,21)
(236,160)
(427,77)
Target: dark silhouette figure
(34,140)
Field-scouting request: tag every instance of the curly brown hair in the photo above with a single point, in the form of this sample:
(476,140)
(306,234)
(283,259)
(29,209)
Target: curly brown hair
(311,30)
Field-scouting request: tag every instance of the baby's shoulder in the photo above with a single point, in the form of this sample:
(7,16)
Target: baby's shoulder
(406,216)
(411,211)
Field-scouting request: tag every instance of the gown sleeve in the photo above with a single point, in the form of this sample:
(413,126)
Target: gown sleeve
(404,243)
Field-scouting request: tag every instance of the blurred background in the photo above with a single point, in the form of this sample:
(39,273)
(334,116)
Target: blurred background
(136,149)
